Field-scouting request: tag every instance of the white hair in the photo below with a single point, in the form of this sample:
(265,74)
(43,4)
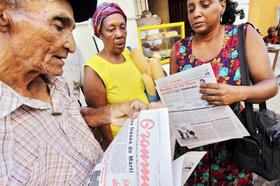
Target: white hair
(15,3)
(11,3)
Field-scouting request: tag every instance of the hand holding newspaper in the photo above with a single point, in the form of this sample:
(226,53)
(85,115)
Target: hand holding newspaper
(196,123)
(140,155)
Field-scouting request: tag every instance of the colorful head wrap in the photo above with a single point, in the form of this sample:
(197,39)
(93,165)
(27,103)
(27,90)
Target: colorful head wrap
(102,11)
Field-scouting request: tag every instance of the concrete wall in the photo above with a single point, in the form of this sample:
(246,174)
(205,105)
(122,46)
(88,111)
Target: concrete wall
(262,13)
(83,37)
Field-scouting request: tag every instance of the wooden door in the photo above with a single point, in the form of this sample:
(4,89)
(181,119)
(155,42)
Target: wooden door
(178,12)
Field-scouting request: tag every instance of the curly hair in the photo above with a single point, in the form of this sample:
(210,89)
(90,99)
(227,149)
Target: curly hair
(230,13)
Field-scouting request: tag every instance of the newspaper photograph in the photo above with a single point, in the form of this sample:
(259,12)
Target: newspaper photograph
(139,155)
(184,165)
(194,121)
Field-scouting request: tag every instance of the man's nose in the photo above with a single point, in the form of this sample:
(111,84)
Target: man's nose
(70,43)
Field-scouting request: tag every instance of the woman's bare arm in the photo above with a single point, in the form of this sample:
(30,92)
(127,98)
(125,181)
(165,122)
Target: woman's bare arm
(173,68)
(96,97)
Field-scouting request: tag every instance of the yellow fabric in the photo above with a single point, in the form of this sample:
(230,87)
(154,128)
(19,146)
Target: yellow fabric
(122,81)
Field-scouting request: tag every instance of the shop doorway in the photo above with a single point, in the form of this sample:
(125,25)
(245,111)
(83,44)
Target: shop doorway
(178,12)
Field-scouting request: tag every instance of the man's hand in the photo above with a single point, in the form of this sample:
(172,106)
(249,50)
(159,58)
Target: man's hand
(116,113)
(96,117)
(121,111)
(155,105)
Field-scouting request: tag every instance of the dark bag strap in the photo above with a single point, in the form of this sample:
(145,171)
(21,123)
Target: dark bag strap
(245,78)
(244,70)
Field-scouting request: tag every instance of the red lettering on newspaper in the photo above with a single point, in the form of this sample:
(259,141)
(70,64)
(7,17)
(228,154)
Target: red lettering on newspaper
(125,182)
(175,81)
(147,124)
(116,183)
(105,168)
(166,89)
(189,83)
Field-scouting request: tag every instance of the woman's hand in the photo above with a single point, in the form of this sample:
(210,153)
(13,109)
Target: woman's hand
(220,94)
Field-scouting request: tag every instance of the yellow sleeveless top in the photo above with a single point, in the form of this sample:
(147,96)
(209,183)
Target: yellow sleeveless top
(122,81)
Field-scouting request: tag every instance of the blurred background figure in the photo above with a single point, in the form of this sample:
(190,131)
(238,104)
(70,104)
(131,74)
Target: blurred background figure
(278,29)
(147,19)
(73,73)
(146,14)
(272,37)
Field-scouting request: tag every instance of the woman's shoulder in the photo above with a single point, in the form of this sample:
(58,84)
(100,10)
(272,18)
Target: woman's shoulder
(95,60)
(185,42)
(246,26)
(231,30)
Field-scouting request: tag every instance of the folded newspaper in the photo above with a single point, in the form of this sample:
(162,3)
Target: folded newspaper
(140,155)
(196,123)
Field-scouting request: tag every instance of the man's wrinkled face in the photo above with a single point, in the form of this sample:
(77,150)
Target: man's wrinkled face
(41,33)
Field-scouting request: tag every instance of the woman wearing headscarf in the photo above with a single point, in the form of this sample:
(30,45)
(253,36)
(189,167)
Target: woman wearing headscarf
(110,75)
(214,41)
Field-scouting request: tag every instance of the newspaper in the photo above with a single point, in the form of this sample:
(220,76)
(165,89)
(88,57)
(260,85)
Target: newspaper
(140,155)
(184,165)
(196,123)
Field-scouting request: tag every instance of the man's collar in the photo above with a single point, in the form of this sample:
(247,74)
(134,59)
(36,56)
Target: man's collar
(54,81)
(10,100)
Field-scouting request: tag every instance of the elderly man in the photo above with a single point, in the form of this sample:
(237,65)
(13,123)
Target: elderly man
(43,138)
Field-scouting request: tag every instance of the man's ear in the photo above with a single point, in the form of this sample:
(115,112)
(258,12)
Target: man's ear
(4,21)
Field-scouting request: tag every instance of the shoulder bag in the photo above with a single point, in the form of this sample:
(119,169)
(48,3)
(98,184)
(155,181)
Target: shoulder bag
(259,152)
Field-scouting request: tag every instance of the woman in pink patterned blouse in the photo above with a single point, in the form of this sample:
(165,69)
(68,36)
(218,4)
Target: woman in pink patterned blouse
(214,41)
